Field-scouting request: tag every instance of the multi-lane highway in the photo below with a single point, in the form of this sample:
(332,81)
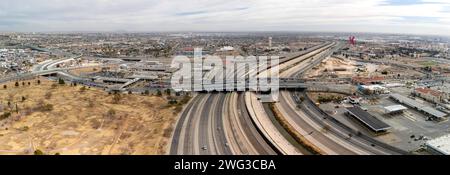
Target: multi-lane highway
(235,123)
(315,134)
(215,123)
(326,135)
(220,123)
(359,143)
(51,64)
(241,129)
(286,67)
(238,123)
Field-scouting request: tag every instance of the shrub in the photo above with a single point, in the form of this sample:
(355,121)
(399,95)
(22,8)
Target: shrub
(158,92)
(178,109)
(61,81)
(172,102)
(329,98)
(111,113)
(25,128)
(5,115)
(45,107)
(116,98)
(185,99)
(82,89)
(168,132)
(168,92)
(38,152)
(48,95)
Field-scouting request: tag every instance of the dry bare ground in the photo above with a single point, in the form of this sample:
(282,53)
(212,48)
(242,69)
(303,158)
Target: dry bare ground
(65,119)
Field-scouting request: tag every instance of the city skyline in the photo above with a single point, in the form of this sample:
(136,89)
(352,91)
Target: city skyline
(374,16)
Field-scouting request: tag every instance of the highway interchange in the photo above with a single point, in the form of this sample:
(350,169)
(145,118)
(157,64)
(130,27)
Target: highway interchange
(45,68)
(235,123)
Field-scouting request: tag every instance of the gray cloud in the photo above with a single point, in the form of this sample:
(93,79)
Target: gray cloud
(230,15)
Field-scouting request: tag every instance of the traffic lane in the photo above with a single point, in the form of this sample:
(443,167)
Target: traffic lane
(176,137)
(190,127)
(252,133)
(220,139)
(316,133)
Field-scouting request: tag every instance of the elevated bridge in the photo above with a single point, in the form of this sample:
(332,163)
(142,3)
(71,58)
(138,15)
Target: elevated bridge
(257,86)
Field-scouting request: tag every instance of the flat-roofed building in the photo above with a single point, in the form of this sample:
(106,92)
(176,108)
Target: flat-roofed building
(440,145)
(433,113)
(394,109)
(430,95)
(368,120)
(372,89)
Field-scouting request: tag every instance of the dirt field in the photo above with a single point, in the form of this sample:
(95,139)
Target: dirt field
(337,68)
(333,66)
(67,120)
(85,70)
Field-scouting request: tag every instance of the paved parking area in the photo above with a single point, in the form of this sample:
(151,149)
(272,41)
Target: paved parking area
(409,130)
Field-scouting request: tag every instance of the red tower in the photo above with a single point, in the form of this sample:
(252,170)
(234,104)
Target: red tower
(352,40)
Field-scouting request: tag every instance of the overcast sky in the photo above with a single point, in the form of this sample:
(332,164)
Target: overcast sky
(387,16)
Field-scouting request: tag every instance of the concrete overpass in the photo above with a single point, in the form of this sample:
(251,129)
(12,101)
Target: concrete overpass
(59,71)
(283,83)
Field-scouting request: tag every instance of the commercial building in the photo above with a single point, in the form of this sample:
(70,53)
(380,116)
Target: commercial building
(227,48)
(430,95)
(372,89)
(440,145)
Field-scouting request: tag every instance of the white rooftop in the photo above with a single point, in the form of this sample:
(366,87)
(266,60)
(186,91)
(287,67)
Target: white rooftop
(440,144)
(227,48)
(373,87)
(395,108)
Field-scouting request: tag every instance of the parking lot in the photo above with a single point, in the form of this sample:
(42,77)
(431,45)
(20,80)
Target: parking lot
(410,129)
